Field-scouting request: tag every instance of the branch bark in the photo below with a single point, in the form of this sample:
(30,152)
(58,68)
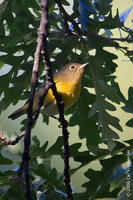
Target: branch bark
(42,49)
(34,80)
(7,141)
(60,104)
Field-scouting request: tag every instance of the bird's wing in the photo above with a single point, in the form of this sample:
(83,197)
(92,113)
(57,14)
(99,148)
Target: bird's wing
(48,99)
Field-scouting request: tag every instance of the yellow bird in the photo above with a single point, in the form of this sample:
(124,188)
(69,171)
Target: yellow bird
(68,83)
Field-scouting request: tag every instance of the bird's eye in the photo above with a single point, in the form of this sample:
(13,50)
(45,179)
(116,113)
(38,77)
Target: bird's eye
(72,67)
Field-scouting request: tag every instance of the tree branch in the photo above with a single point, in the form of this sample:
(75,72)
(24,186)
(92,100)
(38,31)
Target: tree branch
(67,30)
(110,41)
(42,49)
(128,40)
(60,104)
(68,18)
(6,141)
(30,121)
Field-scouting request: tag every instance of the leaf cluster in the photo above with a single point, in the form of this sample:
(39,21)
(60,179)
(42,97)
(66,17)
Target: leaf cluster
(93,113)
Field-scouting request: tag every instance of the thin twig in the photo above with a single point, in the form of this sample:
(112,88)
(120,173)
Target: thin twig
(49,78)
(128,40)
(68,17)
(110,41)
(30,121)
(66,25)
(7,141)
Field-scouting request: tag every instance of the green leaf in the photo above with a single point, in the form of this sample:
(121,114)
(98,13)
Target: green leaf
(52,178)
(10,183)
(104,6)
(114,84)
(3,6)
(111,22)
(130,123)
(55,149)
(48,195)
(45,118)
(4,160)
(109,92)
(84,157)
(98,179)
(93,175)
(107,57)
(106,192)
(36,150)
(128,107)
(87,126)
(102,91)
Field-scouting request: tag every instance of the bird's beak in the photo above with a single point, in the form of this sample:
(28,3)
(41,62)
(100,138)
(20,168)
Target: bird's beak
(84,65)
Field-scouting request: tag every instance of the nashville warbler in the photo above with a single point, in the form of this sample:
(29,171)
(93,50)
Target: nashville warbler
(68,84)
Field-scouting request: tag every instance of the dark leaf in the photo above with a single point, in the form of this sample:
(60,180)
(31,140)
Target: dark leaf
(130,123)
(129,103)
(87,126)
(3,7)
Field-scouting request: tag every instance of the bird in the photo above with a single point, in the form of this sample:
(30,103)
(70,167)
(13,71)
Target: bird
(68,83)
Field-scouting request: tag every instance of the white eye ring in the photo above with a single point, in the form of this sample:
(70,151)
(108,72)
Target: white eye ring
(72,67)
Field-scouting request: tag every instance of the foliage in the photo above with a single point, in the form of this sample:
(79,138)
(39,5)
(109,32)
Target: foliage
(93,113)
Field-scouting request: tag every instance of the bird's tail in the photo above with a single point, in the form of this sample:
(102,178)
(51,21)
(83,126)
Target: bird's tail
(17,113)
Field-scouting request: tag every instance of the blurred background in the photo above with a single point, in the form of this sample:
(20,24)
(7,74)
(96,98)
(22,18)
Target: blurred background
(50,132)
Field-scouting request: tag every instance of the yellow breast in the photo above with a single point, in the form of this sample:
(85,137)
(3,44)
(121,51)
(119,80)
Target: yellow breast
(69,92)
